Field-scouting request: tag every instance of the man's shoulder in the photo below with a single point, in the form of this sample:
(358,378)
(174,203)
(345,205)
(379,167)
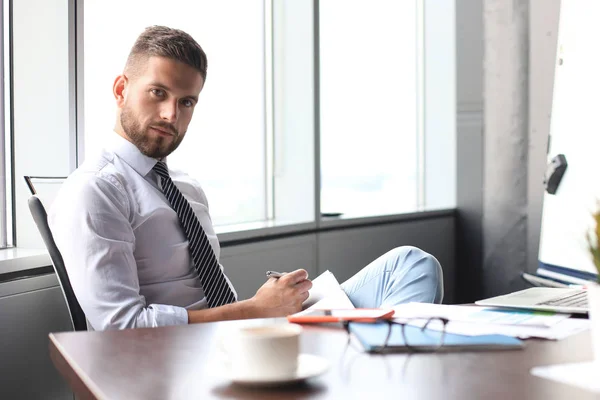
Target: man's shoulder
(96,169)
(96,181)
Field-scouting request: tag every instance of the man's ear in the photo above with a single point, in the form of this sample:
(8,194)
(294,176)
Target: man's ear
(120,87)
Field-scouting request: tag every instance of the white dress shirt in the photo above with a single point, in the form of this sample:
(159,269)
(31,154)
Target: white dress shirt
(124,249)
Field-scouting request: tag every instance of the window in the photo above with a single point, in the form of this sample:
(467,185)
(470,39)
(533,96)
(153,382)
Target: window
(293,112)
(369,97)
(295,124)
(42,101)
(6,215)
(224,148)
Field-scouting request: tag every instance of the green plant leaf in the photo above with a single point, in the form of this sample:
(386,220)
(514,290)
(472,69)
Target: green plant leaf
(594,242)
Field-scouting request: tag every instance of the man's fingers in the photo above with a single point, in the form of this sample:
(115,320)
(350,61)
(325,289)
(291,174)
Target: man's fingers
(304,286)
(294,277)
(304,296)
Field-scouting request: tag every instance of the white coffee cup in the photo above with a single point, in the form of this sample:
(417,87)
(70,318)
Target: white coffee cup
(262,352)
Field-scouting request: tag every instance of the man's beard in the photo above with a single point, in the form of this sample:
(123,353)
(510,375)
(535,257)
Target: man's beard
(151,146)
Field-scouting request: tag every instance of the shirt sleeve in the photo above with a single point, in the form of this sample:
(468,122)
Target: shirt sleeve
(90,222)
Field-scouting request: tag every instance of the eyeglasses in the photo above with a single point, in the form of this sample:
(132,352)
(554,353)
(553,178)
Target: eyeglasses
(418,335)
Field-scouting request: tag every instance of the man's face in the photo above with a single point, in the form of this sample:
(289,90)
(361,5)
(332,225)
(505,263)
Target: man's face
(157,104)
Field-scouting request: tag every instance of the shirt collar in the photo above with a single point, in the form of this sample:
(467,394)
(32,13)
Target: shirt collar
(129,153)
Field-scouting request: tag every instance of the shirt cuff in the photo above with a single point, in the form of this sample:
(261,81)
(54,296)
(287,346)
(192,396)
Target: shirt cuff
(165,315)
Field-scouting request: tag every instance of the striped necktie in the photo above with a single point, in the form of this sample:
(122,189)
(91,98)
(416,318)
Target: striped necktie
(211,276)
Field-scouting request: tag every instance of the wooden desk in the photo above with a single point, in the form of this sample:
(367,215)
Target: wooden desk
(178,363)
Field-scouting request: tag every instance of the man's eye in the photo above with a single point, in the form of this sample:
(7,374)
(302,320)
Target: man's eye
(187,103)
(157,92)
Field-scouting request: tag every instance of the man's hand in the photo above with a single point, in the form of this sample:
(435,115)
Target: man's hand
(276,298)
(283,296)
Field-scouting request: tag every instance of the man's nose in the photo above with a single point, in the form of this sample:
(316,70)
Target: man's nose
(169,111)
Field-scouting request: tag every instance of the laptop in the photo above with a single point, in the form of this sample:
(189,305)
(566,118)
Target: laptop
(572,301)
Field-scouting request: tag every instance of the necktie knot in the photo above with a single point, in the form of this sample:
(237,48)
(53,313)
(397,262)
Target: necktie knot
(161,169)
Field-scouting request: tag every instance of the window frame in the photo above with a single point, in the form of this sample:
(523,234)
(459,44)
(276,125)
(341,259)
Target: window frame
(7,178)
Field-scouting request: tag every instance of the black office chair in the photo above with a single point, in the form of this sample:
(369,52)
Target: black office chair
(38,212)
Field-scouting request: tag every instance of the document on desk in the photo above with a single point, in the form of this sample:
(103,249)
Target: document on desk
(326,293)
(476,314)
(474,320)
(583,375)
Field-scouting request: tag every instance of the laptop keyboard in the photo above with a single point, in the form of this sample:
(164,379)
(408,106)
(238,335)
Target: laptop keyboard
(577,300)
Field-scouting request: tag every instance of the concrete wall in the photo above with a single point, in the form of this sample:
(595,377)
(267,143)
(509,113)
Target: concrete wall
(505,93)
(469,146)
(505,57)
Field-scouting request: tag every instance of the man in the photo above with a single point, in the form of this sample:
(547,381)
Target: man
(136,237)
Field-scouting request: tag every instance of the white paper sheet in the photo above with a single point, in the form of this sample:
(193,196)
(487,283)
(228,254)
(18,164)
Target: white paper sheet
(468,320)
(326,293)
(583,375)
(559,331)
(480,315)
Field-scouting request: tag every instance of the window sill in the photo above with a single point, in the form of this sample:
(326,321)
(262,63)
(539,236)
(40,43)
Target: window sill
(350,221)
(231,235)
(19,259)
(254,231)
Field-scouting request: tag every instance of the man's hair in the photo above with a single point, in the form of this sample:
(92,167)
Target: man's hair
(161,41)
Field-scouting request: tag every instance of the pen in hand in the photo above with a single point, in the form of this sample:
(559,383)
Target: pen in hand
(274,274)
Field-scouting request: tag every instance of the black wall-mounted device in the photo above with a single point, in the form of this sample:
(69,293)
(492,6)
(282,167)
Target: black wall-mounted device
(554,173)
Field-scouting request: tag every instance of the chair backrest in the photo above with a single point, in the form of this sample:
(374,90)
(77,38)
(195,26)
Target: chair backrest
(41,220)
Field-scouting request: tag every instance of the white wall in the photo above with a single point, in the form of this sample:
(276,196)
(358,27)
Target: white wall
(567,215)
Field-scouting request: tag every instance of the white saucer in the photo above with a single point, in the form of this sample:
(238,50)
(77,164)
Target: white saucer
(309,366)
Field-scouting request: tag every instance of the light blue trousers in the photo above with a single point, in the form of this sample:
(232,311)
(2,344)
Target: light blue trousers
(402,275)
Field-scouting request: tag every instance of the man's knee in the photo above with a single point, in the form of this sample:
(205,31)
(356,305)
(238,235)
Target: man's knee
(401,252)
(412,255)
(422,266)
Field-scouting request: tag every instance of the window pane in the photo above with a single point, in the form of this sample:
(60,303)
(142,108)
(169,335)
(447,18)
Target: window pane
(224,148)
(5,156)
(294,111)
(368,86)
(42,142)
